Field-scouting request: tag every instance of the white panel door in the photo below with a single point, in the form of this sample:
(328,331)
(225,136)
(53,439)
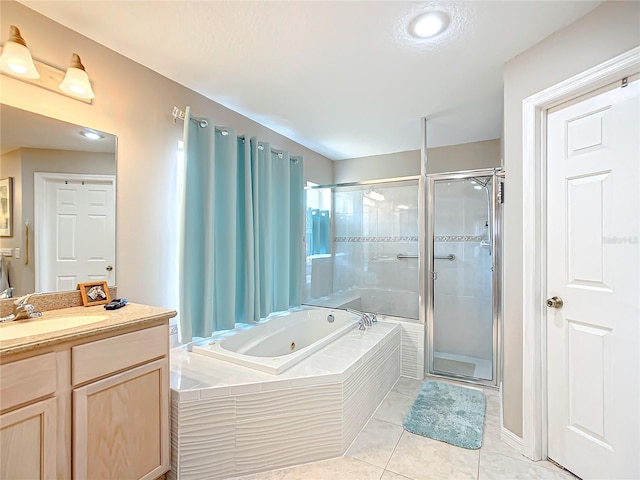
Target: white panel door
(593,260)
(80,233)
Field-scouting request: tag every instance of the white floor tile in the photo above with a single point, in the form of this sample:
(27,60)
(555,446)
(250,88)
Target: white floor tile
(388,475)
(496,467)
(376,442)
(408,386)
(394,408)
(336,469)
(491,442)
(422,458)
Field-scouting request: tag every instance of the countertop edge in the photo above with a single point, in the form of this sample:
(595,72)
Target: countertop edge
(63,336)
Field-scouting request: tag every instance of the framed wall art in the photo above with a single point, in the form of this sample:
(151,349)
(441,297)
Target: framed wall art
(6,207)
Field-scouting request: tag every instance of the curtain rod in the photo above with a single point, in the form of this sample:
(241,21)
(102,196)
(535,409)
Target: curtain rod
(179,114)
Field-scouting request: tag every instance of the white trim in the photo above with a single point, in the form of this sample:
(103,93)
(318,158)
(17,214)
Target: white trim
(534,428)
(511,439)
(40,180)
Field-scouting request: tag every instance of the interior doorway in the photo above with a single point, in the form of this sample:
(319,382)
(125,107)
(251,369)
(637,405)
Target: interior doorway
(593,282)
(75,216)
(586,209)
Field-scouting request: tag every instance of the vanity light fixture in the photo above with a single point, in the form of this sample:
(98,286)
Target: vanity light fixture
(16,57)
(91,135)
(429,24)
(16,61)
(76,81)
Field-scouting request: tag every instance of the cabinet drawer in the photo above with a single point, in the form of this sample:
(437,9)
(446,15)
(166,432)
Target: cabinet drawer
(28,379)
(97,359)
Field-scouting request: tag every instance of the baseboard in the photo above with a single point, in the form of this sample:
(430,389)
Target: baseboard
(511,439)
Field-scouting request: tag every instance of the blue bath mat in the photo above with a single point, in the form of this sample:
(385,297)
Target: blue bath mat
(448,413)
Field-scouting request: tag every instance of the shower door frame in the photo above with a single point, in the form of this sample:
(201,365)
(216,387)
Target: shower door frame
(496,175)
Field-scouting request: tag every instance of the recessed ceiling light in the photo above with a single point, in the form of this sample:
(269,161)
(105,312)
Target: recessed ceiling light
(91,135)
(429,24)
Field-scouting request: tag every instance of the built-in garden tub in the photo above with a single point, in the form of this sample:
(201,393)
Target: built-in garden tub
(229,419)
(281,341)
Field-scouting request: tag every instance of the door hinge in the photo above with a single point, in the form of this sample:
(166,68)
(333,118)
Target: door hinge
(625,82)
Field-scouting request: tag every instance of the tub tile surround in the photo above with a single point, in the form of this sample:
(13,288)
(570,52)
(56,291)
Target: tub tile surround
(254,421)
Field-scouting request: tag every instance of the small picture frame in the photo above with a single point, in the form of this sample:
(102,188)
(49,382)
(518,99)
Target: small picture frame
(6,207)
(94,293)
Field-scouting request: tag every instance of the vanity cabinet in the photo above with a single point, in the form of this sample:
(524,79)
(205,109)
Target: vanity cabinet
(92,406)
(28,442)
(121,422)
(28,433)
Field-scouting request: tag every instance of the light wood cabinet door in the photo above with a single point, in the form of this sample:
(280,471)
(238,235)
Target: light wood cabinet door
(121,425)
(28,442)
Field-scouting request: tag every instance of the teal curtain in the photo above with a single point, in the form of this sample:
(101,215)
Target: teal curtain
(242,243)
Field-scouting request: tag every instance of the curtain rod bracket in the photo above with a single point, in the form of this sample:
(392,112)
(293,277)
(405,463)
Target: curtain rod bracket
(179,114)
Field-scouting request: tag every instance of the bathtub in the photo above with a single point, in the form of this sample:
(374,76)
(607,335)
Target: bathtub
(281,340)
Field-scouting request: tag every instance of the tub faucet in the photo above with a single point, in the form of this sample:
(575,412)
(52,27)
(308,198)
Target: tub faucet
(365,319)
(22,309)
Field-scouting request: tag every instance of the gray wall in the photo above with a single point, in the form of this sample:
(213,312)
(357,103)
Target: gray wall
(467,156)
(607,31)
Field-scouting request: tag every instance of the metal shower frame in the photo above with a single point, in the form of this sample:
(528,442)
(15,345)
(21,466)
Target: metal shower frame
(426,237)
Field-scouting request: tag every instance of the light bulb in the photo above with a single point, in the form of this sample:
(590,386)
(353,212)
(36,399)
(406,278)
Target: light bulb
(76,81)
(429,24)
(16,57)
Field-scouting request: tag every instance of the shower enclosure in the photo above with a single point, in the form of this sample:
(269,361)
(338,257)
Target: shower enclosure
(362,247)
(424,251)
(463,307)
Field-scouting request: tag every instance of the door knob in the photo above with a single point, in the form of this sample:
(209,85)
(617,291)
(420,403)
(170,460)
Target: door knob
(109,268)
(554,302)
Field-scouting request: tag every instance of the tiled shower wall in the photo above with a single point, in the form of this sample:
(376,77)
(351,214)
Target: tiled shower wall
(462,290)
(371,226)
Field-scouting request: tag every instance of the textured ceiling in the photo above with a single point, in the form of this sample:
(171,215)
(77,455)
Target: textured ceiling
(342,78)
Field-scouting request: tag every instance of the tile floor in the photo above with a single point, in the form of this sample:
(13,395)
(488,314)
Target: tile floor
(384,451)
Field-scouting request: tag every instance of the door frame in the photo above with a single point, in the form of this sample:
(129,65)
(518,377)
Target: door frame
(40,181)
(534,113)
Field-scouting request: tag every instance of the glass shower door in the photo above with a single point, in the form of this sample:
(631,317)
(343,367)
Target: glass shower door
(371,262)
(463,333)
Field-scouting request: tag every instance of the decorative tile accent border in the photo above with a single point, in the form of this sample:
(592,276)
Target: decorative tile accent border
(376,239)
(459,238)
